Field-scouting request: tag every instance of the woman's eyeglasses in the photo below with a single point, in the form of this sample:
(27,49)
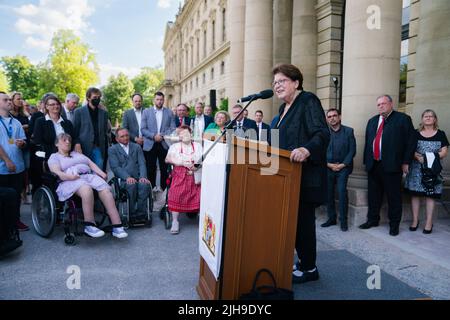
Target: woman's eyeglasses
(279,82)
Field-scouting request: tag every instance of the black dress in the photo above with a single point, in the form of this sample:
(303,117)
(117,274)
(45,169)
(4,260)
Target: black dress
(413,184)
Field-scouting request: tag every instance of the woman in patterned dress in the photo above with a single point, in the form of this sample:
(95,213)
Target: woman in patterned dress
(184,192)
(429,140)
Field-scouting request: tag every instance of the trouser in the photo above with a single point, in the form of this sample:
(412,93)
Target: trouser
(8,212)
(13,181)
(158,153)
(340,179)
(379,183)
(97,157)
(138,194)
(305,242)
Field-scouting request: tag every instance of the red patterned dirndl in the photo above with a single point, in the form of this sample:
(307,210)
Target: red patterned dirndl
(184,194)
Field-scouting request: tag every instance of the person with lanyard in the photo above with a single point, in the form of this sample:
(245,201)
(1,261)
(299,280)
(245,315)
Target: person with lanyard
(184,192)
(12,164)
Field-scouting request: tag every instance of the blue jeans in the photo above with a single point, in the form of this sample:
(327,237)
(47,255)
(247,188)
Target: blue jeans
(340,179)
(97,158)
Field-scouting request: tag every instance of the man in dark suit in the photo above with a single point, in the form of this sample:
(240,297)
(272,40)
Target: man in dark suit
(243,127)
(201,121)
(388,153)
(340,154)
(132,120)
(127,162)
(91,128)
(157,122)
(182,117)
(263,128)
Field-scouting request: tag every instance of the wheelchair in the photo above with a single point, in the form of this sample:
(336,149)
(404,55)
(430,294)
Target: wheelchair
(164,213)
(47,211)
(123,204)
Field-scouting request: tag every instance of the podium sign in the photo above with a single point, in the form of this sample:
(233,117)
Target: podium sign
(212,206)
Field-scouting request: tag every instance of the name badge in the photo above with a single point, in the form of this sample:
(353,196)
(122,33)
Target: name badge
(11,141)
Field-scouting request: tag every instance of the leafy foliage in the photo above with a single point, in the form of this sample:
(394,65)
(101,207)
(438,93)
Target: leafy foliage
(117,96)
(22,75)
(148,82)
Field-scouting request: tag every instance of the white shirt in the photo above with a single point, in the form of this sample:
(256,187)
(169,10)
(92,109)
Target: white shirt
(126,148)
(259,125)
(138,114)
(57,125)
(68,114)
(159,117)
(200,123)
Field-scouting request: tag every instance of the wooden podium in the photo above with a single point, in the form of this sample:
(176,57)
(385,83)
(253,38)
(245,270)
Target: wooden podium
(259,226)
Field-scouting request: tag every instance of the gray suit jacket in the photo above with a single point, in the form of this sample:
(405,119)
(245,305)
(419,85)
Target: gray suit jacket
(84,130)
(130,123)
(149,127)
(124,166)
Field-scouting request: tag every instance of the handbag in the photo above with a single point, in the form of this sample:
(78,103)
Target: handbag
(267,292)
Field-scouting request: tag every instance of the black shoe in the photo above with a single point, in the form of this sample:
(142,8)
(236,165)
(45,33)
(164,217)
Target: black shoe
(414,228)
(305,277)
(425,231)
(344,227)
(328,223)
(394,231)
(368,225)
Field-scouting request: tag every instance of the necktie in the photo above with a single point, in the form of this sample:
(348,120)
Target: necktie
(377,150)
(181,121)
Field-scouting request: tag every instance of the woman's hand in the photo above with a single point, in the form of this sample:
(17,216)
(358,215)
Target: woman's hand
(103,175)
(72,177)
(419,157)
(300,155)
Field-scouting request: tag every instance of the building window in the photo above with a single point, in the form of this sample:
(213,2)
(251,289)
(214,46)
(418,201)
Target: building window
(191,85)
(222,68)
(196,82)
(214,35)
(204,78)
(212,73)
(224,26)
(204,43)
(198,50)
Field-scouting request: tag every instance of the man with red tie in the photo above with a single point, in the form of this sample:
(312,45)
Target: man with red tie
(388,152)
(182,117)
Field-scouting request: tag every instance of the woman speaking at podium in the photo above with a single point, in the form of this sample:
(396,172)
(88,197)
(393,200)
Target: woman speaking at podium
(304,131)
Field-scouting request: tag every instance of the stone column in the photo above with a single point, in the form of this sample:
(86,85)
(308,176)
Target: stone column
(304,41)
(236,35)
(282,31)
(258,52)
(371,64)
(432,82)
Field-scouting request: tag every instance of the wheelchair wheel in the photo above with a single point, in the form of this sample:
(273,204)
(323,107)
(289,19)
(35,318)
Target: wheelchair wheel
(122,202)
(192,216)
(69,240)
(43,211)
(162,213)
(167,219)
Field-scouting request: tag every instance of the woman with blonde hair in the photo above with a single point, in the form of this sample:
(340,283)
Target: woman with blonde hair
(432,147)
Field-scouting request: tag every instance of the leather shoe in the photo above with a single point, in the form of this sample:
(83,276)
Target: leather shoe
(414,228)
(368,225)
(328,223)
(394,231)
(305,276)
(344,227)
(425,231)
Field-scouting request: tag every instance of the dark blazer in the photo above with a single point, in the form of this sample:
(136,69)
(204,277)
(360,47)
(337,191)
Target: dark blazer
(45,135)
(187,121)
(348,152)
(124,166)
(304,125)
(265,127)
(33,120)
(84,130)
(130,123)
(398,144)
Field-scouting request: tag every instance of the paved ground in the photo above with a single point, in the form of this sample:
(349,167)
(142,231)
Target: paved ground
(153,264)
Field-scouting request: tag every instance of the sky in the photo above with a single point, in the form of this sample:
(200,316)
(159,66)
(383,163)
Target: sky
(125,35)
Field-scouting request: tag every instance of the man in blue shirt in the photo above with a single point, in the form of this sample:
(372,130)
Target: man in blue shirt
(12,142)
(340,154)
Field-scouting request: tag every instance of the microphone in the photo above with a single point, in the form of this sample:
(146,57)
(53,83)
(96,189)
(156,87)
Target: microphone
(266,94)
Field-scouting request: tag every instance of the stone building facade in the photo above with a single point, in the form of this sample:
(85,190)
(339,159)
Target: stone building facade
(358,42)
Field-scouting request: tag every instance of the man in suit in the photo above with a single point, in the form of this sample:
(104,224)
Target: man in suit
(127,162)
(340,154)
(263,128)
(388,153)
(157,122)
(68,110)
(182,117)
(245,128)
(132,120)
(91,128)
(201,122)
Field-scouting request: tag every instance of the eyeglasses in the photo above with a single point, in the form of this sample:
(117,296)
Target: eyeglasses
(52,105)
(279,82)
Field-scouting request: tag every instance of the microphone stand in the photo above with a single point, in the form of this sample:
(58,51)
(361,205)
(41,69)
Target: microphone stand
(229,126)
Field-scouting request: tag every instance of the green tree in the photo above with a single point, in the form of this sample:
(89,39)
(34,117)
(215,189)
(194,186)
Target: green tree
(22,76)
(148,82)
(117,96)
(4,85)
(71,66)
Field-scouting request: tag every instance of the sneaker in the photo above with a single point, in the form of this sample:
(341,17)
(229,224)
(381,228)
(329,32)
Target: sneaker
(119,233)
(296,266)
(93,232)
(22,226)
(302,277)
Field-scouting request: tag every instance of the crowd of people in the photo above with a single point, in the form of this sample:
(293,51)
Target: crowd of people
(78,146)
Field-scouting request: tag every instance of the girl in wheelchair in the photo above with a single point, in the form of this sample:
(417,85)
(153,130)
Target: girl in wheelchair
(79,175)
